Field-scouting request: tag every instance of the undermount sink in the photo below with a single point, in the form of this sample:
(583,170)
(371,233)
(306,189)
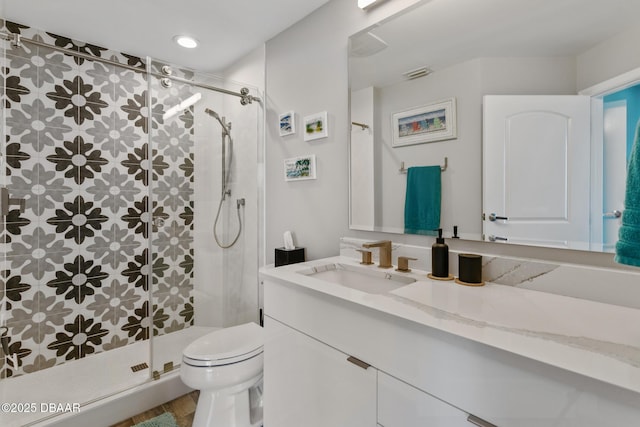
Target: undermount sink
(360,278)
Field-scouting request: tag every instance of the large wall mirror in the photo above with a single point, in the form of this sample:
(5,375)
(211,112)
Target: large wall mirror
(477,56)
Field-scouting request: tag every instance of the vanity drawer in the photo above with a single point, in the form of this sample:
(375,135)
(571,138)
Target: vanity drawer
(401,405)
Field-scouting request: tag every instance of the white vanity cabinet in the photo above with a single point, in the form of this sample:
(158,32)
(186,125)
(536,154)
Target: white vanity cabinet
(311,384)
(402,405)
(421,374)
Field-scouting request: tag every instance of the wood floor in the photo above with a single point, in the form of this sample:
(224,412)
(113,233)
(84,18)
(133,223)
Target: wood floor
(182,408)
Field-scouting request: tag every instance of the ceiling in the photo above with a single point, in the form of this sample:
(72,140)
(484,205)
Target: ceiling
(226,29)
(441,33)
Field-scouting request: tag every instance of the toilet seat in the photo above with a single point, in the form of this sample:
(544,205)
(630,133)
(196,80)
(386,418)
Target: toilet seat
(225,346)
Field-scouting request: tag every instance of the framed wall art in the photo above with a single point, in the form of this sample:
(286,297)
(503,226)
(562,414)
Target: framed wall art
(300,168)
(426,123)
(315,126)
(287,122)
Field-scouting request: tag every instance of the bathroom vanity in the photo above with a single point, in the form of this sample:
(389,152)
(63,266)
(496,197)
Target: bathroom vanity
(408,351)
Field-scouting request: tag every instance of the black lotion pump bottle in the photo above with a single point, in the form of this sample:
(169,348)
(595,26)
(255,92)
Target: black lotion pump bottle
(440,257)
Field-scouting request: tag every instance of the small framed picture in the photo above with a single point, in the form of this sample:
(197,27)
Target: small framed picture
(287,123)
(300,168)
(315,126)
(427,123)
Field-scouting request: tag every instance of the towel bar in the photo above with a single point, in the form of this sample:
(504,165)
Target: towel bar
(362,125)
(442,168)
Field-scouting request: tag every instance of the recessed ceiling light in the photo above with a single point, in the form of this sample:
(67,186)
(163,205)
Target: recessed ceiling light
(186,41)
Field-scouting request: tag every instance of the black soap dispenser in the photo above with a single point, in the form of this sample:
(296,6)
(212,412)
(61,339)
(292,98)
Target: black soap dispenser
(440,258)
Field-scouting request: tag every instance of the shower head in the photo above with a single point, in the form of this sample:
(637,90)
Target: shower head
(226,127)
(212,113)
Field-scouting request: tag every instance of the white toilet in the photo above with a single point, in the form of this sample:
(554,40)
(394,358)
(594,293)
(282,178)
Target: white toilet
(226,366)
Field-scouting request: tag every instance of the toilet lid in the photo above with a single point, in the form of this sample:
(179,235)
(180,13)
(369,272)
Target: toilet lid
(225,346)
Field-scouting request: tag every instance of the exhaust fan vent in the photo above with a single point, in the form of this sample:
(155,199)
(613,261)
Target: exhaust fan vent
(417,73)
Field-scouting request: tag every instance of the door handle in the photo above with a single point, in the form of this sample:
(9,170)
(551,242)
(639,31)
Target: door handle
(494,217)
(6,202)
(493,238)
(613,214)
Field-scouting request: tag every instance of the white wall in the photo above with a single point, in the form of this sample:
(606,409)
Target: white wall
(208,292)
(609,59)
(362,157)
(306,71)
(461,197)
(226,283)
(529,76)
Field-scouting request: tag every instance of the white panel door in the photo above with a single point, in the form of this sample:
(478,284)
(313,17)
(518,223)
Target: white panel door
(536,162)
(310,384)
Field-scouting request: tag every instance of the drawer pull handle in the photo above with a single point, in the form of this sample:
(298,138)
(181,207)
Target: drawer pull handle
(358,362)
(479,421)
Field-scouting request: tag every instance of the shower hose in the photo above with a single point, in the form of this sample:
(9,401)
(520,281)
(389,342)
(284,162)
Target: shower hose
(239,202)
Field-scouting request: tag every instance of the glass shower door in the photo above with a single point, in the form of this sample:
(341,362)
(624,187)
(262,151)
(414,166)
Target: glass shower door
(172,104)
(197,286)
(4,331)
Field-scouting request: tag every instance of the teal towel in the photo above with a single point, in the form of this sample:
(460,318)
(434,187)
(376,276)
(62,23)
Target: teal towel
(628,245)
(422,201)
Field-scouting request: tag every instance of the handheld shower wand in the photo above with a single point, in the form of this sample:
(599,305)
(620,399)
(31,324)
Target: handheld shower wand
(226,172)
(225,130)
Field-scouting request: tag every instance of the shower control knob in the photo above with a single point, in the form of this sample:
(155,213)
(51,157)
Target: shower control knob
(158,222)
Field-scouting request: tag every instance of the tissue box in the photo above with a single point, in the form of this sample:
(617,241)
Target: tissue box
(289,256)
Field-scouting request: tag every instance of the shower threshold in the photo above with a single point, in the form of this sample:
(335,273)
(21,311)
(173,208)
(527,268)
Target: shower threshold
(51,392)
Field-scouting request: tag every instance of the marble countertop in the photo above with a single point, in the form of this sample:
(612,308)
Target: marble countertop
(597,340)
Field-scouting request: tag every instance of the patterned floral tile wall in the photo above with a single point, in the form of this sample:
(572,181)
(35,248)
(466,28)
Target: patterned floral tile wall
(77,148)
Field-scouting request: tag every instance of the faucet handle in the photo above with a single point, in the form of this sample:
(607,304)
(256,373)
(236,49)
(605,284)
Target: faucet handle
(366,257)
(385,247)
(403,263)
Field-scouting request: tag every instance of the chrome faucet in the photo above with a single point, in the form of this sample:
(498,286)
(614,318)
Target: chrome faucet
(385,252)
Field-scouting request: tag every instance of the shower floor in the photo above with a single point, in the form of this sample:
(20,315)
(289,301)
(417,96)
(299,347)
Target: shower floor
(89,379)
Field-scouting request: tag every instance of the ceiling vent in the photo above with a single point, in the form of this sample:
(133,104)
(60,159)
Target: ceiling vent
(417,73)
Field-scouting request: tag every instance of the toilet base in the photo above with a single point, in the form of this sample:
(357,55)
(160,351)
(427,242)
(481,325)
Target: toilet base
(226,408)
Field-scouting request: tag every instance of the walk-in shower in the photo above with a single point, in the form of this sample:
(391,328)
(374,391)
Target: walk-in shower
(109,268)
(227,144)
